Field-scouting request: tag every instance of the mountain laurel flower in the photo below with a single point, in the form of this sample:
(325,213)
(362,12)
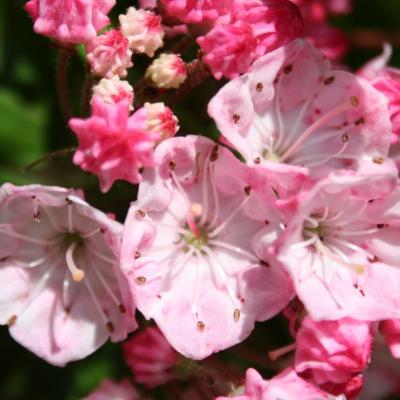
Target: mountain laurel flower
(195,11)
(161,119)
(188,249)
(70,22)
(286,385)
(168,71)
(111,390)
(114,144)
(143,30)
(334,354)
(150,357)
(108,54)
(391,331)
(64,293)
(293,111)
(341,248)
(114,90)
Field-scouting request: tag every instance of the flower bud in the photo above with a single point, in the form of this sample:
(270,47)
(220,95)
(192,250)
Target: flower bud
(168,71)
(114,90)
(161,119)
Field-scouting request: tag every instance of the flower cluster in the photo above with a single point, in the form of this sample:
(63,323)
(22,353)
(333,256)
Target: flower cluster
(294,210)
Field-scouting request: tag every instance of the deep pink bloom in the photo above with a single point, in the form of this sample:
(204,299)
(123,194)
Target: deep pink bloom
(148,3)
(191,252)
(334,354)
(387,81)
(108,54)
(196,11)
(69,21)
(292,110)
(143,30)
(64,294)
(113,144)
(319,10)
(341,247)
(391,332)
(110,390)
(229,49)
(150,357)
(287,385)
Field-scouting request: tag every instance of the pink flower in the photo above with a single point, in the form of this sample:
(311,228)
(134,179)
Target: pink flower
(391,332)
(114,90)
(160,119)
(143,30)
(167,71)
(196,11)
(188,248)
(148,3)
(341,248)
(387,81)
(64,294)
(109,54)
(292,108)
(110,390)
(287,385)
(69,21)
(229,49)
(319,10)
(150,357)
(113,144)
(334,354)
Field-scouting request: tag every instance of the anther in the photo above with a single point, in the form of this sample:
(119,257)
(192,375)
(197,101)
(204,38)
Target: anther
(12,320)
(354,101)
(140,213)
(359,121)
(140,280)
(236,314)
(345,137)
(288,69)
(257,160)
(265,264)
(103,230)
(37,217)
(259,87)
(373,259)
(172,165)
(110,327)
(136,255)
(122,308)
(329,80)
(214,153)
(381,226)
(200,326)
(247,190)
(378,160)
(68,201)
(236,118)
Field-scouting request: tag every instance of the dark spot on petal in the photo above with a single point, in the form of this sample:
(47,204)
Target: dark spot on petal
(359,121)
(236,314)
(373,259)
(110,327)
(68,201)
(140,213)
(259,87)
(122,308)
(172,165)
(247,190)
(236,118)
(257,160)
(329,80)
(136,255)
(12,320)
(288,69)
(140,280)
(378,160)
(214,153)
(201,326)
(37,217)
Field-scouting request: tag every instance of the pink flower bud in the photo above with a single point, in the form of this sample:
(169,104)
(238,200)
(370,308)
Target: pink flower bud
(167,71)
(150,357)
(143,30)
(160,119)
(114,90)
(109,54)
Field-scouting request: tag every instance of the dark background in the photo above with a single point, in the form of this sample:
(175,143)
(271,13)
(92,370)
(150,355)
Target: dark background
(32,125)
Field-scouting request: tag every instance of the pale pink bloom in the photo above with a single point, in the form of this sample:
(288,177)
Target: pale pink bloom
(195,11)
(391,331)
(114,90)
(63,293)
(160,119)
(190,248)
(168,71)
(292,110)
(334,354)
(285,386)
(341,248)
(113,144)
(387,81)
(69,21)
(229,49)
(111,390)
(108,54)
(150,357)
(143,30)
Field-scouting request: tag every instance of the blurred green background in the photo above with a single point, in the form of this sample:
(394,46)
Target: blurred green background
(32,125)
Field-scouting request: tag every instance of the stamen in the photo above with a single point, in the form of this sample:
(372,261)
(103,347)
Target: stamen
(90,234)
(233,214)
(235,249)
(352,102)
(194,211)
(77,274)
(214,221)
(11,233)
(275,354)
(178,184)
(70,220)
(204,188)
